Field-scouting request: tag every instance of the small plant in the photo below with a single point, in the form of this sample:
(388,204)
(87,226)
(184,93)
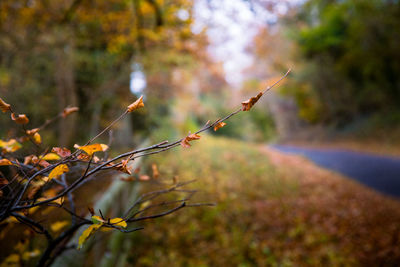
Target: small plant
(45,180)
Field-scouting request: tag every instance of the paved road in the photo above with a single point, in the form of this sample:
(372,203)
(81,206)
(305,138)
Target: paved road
(379,172)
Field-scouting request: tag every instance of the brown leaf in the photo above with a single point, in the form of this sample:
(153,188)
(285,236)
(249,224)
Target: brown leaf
(4,106)
(136,105)
(20,119)
(246,105)
(62,152)
(42,162)
(123,167)
(185,142)
(69,110)
(219,125)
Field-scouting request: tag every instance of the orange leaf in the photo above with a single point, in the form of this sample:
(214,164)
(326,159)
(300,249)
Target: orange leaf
(62,152)
(246,105)
(20,119)
(4,106)
(219,125)
(185,142)
(4,162)
(90,149)
(136,105)
(32,131)
(69,110)
(57,171)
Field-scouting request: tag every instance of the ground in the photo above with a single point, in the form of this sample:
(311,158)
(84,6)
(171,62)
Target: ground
(272,209)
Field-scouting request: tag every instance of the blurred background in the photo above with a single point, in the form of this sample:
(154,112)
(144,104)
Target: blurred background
(196,60)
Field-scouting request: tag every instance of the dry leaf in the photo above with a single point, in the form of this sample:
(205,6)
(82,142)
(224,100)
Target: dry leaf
(155,171)
(32,131)
(5,162)
(20,119)
(136,105)
(4,106)
(42,162)
(62,152)
(123,167)
(57,171)
(219,125)
(246,105)
(185,142)
(90,149)
(69,110)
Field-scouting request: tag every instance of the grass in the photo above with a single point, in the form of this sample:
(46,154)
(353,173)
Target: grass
(271,211)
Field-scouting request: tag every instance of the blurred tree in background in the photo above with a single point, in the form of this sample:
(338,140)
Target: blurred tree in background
(349,59)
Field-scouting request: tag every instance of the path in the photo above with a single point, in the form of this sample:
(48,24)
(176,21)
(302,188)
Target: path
(379,172)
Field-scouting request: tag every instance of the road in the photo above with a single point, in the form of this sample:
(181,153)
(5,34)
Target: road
(379,172)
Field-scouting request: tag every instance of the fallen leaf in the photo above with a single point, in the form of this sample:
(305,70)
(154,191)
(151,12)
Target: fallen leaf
(246,105)
(136,105)
(87,233)
(5,162)
(4,106)
(90,149)
(69,110)
(20,119)
(219,125)
(57,171)
(62,152)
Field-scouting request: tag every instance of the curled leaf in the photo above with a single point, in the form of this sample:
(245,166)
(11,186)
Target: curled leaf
(136,105)
(69,110)
(219,125)
(4,106)
(90,149)
(32,131)
(87,233)
(246,105)
(5,162)
(57,171)
(123,167)
(185,142)
(20,119)
(62,152)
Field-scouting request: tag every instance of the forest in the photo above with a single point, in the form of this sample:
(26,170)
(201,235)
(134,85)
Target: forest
(155,132)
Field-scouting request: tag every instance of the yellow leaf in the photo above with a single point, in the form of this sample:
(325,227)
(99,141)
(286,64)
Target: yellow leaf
(57,171)
(4,162)
(87,233)
(136,105)
(90,149)
(37,138)
(4,106)
(219,125)
(118,222)
(10,146)
(20,119)
(51,156)
(97,219)
(12,260)
(57,226)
